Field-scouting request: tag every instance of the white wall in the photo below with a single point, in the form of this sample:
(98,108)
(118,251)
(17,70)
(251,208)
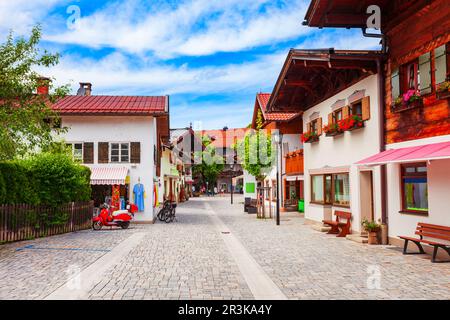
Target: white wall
(401,224)
(344,150)
(120,129)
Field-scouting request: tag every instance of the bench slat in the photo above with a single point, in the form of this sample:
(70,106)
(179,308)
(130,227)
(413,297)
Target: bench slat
(433,226)
(433,235)
(424,241)
(437,231)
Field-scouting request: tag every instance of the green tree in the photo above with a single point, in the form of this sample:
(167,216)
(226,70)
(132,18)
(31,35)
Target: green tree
(26,120)
(211,165)
(256,153)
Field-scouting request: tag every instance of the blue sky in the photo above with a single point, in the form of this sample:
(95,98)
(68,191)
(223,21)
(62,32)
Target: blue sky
(211,57)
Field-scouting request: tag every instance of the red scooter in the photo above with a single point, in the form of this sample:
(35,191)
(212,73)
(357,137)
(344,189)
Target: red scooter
(113,218)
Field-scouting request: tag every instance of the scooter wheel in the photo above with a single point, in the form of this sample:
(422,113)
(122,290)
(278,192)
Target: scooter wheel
(96,225)
(125,225)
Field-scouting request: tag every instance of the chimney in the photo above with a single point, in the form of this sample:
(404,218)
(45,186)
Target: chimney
(43,86)
(85,89)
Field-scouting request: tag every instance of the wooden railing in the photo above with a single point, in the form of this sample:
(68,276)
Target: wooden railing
(24,222)
(294,162)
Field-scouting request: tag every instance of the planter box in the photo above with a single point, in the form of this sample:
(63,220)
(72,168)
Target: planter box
(356,127)
(312,140)
(406,106)
(443,95)
(334,134)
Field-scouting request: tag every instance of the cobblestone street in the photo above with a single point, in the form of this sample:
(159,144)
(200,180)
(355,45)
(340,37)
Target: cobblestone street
(216,251)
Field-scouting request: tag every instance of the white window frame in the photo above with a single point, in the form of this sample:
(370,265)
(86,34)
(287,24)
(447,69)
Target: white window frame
(73,150)
(120,151)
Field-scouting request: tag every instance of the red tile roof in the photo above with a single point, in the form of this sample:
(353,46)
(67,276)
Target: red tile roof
(113,105)
(263,99)
(224,138)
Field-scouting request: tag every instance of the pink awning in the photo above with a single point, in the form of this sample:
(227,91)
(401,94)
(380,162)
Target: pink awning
(109,175)
(435,151)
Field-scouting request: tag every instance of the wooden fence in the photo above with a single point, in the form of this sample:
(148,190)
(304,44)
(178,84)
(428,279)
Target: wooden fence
(24,222)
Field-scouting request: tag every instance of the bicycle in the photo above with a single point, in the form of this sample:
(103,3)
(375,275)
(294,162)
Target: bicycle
(170,215)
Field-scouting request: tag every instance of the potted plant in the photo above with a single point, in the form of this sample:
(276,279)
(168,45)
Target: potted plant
(351,123)
(411,99)
(309,137)
(332,129)
(443,90)
(372,228)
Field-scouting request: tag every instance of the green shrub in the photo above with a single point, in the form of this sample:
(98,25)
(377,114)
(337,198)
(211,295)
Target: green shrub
(19,187)
(48,179)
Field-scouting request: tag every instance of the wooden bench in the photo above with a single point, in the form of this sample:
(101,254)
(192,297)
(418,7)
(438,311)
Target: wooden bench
(339,224)
(433,232)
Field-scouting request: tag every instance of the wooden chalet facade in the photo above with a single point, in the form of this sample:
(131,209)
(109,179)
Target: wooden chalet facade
(415,127)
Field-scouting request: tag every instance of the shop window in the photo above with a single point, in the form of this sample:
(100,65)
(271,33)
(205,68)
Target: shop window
(341,189)
(77,150)
(331,189)
(120,152)
(414,186)
(321,189)
(274,190)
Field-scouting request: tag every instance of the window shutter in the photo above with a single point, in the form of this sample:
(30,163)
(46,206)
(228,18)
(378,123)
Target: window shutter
(365,108)
(395,84)
(103,152)
(441,64)
(88,152)
(330,118)
(319,126)
(308,127)
(135,152)
(425,73)
(345,112)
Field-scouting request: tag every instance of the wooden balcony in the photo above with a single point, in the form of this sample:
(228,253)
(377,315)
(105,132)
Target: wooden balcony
(294,162)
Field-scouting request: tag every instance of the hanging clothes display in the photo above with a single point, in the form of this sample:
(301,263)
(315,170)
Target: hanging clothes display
(115,197)
(138,192)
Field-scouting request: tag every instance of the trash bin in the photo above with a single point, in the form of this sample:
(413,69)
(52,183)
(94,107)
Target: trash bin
(301,205)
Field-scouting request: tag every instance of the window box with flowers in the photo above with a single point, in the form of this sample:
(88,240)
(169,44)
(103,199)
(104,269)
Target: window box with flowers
(351,123)
(332,129)
(410,100)
(310,137)
(443,90)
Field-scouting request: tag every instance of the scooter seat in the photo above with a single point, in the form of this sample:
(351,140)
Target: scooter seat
(119,212)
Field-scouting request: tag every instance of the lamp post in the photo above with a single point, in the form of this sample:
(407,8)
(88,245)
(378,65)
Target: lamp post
(278,140)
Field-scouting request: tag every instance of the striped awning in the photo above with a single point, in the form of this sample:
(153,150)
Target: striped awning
(109,175)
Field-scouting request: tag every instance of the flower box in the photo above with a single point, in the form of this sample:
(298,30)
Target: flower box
(312,139)
(399,107)
(442,95)
(332,129)
(351,123)
(410,100)
(309,137)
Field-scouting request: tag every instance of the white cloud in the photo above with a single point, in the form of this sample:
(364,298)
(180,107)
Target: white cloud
(342,39)
(113,75)
(22,15)
(194,27)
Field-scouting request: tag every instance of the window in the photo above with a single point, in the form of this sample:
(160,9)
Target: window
(120,152)
(414,188)
(331,189)
(412,76)
(424,73)
(317,191)
(441,71)
(314,126)
(356,109)
(321,189)
(337,115)
(341,189)
(77,150)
